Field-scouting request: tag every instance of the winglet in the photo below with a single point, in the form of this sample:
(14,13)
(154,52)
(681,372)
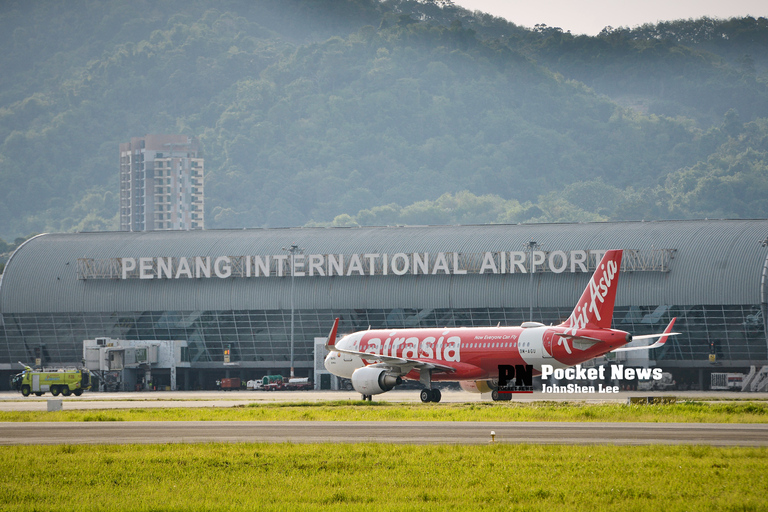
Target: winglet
(331,341)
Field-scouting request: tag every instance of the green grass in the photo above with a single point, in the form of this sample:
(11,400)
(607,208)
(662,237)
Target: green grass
(381,477)
(686,412)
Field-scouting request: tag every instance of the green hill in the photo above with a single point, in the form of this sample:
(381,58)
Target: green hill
(359,111)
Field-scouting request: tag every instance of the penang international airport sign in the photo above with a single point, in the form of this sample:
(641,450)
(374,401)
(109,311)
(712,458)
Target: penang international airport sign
(364,264)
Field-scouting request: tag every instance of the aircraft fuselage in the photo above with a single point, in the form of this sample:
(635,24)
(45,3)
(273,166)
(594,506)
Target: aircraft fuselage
(474,352)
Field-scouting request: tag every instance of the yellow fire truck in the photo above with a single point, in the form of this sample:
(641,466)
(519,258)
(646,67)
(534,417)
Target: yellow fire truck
(64,381)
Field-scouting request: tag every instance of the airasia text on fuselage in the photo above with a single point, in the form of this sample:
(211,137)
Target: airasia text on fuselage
(438,347)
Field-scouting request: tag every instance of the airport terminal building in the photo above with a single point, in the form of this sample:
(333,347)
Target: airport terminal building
(229,294)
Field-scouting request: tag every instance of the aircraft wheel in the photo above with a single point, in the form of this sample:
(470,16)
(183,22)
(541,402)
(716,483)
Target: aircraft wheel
(65,391)
(495,395)
(55,390)
(436,395)
(426,395)
(25,390)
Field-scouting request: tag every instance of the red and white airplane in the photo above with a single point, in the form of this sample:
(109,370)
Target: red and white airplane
(378,360)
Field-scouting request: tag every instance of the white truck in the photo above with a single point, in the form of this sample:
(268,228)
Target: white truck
(664,384)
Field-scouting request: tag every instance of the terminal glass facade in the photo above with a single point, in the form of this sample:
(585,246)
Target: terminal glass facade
(261,339)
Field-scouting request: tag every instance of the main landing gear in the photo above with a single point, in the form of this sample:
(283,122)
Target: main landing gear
(430,395)
(496,396)
(367,397)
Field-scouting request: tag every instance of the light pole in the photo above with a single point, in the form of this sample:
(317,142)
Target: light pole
(293,249)
(764,292)
(531,246)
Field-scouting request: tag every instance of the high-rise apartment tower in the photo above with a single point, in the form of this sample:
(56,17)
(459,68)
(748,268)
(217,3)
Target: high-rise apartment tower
(161,183)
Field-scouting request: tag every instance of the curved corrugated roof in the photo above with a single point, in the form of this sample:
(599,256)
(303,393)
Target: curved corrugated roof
(716,262)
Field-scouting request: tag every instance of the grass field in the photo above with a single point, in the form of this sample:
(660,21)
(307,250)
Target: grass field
(686,412)
(381,477)
(296,477)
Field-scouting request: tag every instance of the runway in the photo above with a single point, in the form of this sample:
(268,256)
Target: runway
(348,432)
(405,432)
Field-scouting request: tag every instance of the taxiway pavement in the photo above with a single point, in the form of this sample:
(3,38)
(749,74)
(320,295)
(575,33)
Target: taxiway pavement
(13,401)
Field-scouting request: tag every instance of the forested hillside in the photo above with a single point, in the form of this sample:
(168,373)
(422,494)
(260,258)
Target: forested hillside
(317,112)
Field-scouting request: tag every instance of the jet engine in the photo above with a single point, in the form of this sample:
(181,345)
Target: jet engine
(370,380)
(477,386)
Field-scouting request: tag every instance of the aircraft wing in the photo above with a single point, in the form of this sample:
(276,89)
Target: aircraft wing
(662,339)
(404,364)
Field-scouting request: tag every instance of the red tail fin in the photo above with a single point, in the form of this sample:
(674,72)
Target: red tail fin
(594,310)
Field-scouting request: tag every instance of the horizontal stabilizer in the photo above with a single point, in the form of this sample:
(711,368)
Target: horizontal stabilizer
(584,343)
(663,339)
(651,336)
(580,342)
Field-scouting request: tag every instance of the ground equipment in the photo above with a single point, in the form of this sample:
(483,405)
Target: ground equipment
(64,381)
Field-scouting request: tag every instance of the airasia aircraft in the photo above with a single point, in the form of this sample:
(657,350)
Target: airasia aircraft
(378,360)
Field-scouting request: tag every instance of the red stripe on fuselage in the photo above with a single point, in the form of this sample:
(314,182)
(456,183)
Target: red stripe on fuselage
(476,353)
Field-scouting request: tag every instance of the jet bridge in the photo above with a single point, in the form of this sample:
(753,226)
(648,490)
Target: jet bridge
(127,365)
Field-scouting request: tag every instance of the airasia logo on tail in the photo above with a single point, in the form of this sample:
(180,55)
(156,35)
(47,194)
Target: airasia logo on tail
(595,307)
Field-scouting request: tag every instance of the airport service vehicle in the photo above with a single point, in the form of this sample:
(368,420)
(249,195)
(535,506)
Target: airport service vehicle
(664,384)
(280,383)
(273,383)
(254,385)
(300,384)
(228,384)
(480,357)
(65,381)
(726,381)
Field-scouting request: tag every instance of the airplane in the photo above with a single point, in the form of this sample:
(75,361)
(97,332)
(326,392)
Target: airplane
(378,360)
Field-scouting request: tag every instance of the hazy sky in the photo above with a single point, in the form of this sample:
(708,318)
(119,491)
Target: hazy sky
(591,16)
